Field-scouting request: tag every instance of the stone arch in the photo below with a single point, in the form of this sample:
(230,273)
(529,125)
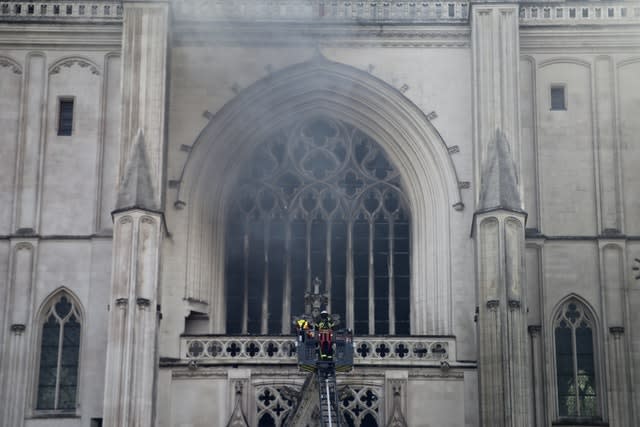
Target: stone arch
(324,87)
(581,300)
(55,294)
(598,353)
(8,62)
(36,337)
(564,60)
(68,61)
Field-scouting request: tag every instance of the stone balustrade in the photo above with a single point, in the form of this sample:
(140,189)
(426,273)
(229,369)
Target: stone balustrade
(277,349)
(40,10)
(580,13)
(372,11)
(323,11)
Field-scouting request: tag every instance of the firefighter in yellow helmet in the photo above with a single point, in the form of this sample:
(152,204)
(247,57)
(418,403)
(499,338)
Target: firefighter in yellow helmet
(324,326)
(302,327)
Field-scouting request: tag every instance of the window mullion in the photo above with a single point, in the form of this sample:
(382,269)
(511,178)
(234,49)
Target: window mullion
(349,276)
(286,292)
(392,294)
(58,366)
(372,276)
(265,281)
(308,248)
(574,355)
(327,269)
(245,285)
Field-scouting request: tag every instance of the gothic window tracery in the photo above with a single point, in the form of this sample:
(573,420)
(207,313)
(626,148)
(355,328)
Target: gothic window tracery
(274,405)
(318,199)
(360,406)
(59,355)
(575,363)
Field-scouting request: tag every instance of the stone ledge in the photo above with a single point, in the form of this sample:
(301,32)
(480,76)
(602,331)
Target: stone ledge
(60,11)
(580,13)
(419,351)
(359,12)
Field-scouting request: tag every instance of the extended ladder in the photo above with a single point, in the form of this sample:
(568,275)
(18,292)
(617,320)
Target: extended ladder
(329,404)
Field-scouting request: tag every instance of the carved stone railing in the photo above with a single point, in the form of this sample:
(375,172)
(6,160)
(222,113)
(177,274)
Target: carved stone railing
(278,349)
(75,11)
(580,13)
(330,11)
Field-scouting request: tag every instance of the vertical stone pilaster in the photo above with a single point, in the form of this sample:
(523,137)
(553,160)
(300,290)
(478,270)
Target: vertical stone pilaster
(499,221)
(495,58)
(109,149)
(537,363)
(30,149)
(13,386)
(138,220)
(607,150)
(620,402)
(616,353)
(395,389)
(502,336)
(144,79)
(239,381)
(133,320)
(529,165)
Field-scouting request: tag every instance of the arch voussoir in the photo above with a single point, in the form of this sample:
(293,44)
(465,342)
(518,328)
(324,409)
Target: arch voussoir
(359,99)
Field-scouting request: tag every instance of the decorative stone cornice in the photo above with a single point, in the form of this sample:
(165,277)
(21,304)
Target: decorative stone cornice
(534,330)
(60,11)
(580,13)
(493,304)
(275,33)
(18,328)
(143,302)
(616,331)
(357,12)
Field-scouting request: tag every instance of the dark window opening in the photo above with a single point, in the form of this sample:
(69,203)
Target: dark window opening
(59,357)
(558,98)
(575,363)
(65,120)
(318,200)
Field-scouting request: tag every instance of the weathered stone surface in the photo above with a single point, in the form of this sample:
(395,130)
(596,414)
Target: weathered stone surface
(499,180)
(136,189)
(433,96)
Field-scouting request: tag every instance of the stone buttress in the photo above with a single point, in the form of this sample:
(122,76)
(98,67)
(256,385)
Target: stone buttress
(132,358)
(133,309)
(499,226)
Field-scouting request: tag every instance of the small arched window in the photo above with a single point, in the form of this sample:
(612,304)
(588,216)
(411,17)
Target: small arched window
(575,362)
(59,355)
(318,199)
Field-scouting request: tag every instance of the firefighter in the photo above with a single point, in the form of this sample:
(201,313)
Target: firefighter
(302,327)
(324,328)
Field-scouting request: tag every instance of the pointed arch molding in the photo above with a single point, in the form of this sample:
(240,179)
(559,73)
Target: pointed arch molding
(7,62)
(54,295)
(69,61)
(353,96)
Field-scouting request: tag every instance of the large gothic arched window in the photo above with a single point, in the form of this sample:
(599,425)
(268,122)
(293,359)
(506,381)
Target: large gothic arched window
(59,355)
(575,362)
(318,199)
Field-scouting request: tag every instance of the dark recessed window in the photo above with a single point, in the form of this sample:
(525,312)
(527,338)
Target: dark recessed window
(558,98)
(59,356)
(319,200)
(65,121)
(575,362)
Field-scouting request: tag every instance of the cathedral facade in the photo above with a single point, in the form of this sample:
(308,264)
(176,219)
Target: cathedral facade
(456,181)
